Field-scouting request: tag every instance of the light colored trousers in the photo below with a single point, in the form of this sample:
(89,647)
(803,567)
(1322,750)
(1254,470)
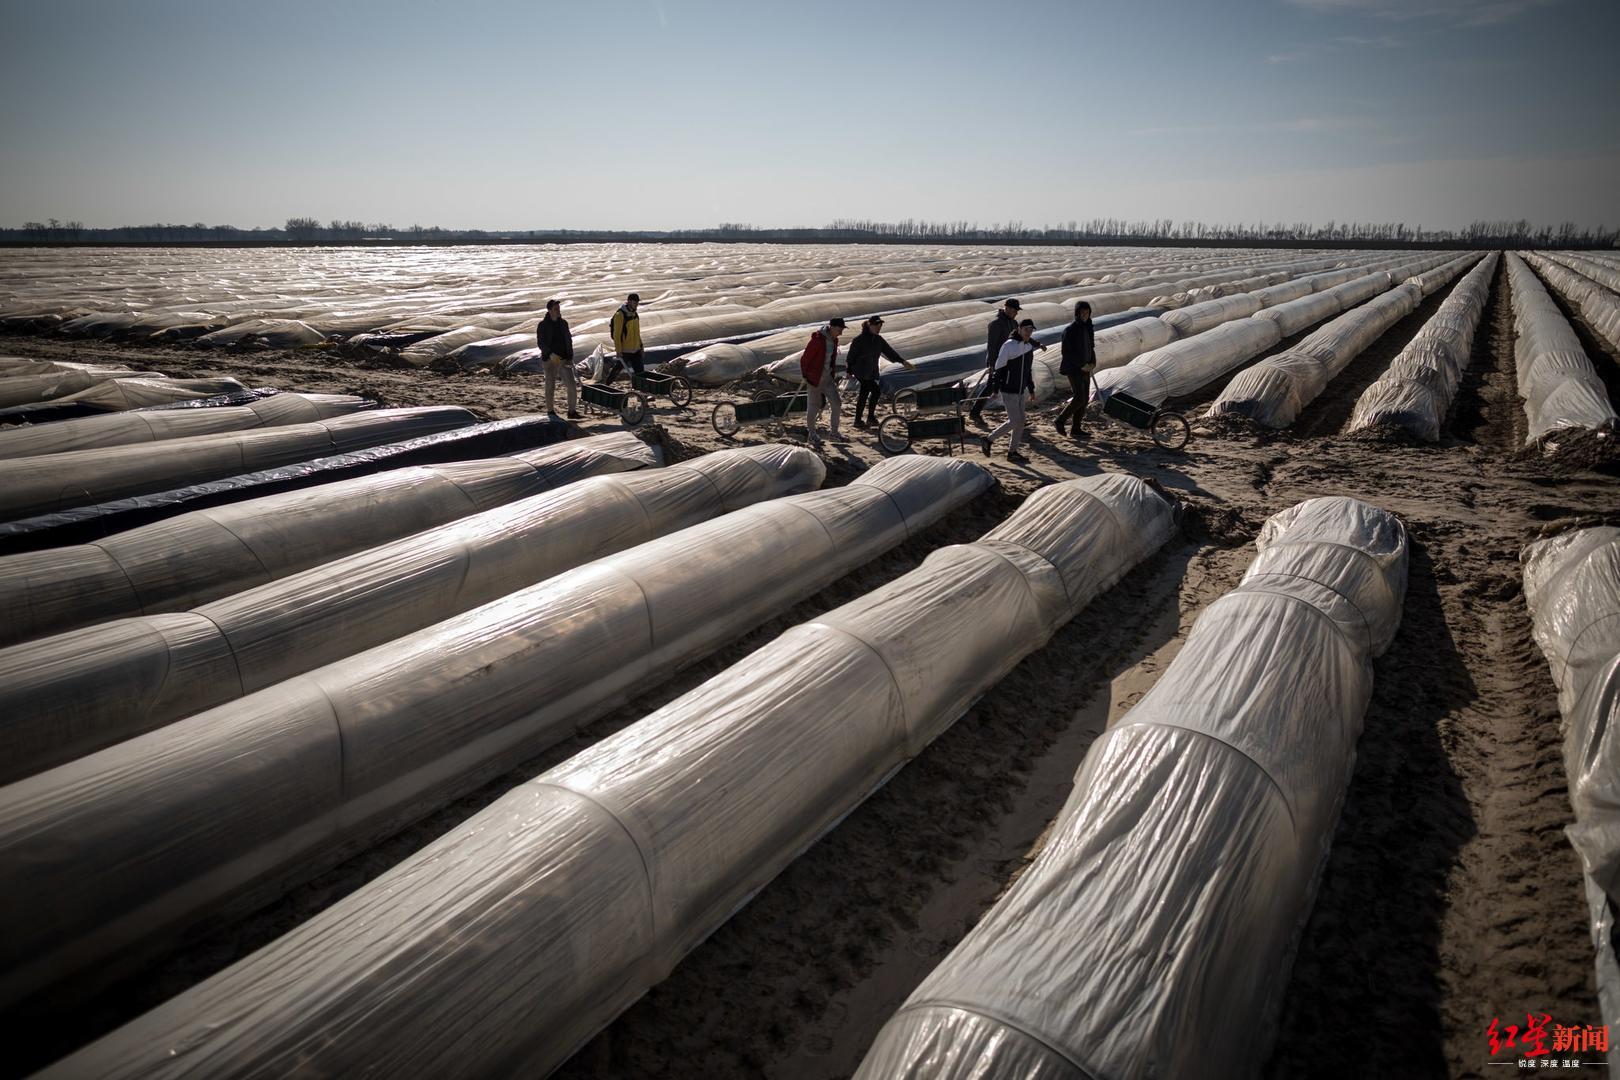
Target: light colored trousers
(555,366)
(812,410)
(1014,404)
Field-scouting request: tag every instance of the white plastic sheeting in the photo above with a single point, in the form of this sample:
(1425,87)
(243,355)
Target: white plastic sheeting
(125,428)
(1598,305)
(109,857)
(39,485)
(29,387)
(504,945)
(1604,274)
(1152,935)
(1559,386)
(1572,587)
(1181,367)
(117,395)
(715,364)
(196,557)
(1416,391)
(65,696)
(1273,392)
(1184,366)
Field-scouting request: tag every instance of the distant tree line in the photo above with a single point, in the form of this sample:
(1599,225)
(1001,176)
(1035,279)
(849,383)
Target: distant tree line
(309,230)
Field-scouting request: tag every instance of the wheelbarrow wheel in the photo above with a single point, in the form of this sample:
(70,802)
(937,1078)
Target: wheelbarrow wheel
(635,409)
(1170,430)
(893,435)
(680,391)
(764,395)
(904,403)
(724,420)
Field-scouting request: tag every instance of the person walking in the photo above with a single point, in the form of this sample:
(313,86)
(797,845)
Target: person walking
(625,328)
(1079,360)
(863,365)
(1001,328)
(557,352)
(1014,376)
(819,366)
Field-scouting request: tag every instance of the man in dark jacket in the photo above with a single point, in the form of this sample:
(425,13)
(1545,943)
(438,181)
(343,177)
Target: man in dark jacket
(557,351)
(863,365)
(1079,361)
(1001,328)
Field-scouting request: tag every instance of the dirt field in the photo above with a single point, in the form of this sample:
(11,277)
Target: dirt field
(1451,895)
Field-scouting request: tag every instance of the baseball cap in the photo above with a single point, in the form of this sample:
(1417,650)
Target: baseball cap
(836,322)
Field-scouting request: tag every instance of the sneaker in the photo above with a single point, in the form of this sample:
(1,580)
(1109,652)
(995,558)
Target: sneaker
(984,444)
(1016,458)
(1060,430)
(977,418)
(861,424)
(572,415)
(1079,436)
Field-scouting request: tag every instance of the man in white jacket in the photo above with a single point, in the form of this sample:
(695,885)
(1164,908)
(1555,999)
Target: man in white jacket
(1014,375)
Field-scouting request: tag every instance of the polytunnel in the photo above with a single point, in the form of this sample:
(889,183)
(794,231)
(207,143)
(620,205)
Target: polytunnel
(65,696)
(1185,365)
(120,395)
(510,941)
(1152,935)
(125,428)
(1416,391)
(1274,391)
(108,858)
(1572,587)
(205,554)
(95,521)
(1559,386)
(38,485)
(1600,307)
(27,388)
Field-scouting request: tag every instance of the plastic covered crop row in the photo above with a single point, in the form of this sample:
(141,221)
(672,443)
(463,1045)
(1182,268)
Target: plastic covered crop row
(1599,306)
(96,521)
(65,696)
(1416,391)
(119,395)
(1572,587)
(106,859)
(200,556)
(1605,274)
(1152,935)
(29,386)
(1184,366)
(39,485)
(124,428)
(1559,386)
(1274,391)
(504,945)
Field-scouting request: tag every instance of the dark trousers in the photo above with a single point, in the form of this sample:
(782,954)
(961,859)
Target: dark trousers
(1081,385)
(631,358)
(869,391)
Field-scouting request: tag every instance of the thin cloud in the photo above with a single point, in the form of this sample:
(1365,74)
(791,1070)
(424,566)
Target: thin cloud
(1343,43)
(1300,125)
(1453,12)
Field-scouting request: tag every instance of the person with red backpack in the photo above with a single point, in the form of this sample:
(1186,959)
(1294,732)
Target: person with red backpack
(819,366)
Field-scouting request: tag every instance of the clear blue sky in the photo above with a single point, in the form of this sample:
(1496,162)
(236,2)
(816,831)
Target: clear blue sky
(669,113)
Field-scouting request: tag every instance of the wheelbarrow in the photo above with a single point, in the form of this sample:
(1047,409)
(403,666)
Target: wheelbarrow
(629,404)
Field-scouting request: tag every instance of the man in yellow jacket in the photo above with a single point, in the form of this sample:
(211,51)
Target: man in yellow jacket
(625,326)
